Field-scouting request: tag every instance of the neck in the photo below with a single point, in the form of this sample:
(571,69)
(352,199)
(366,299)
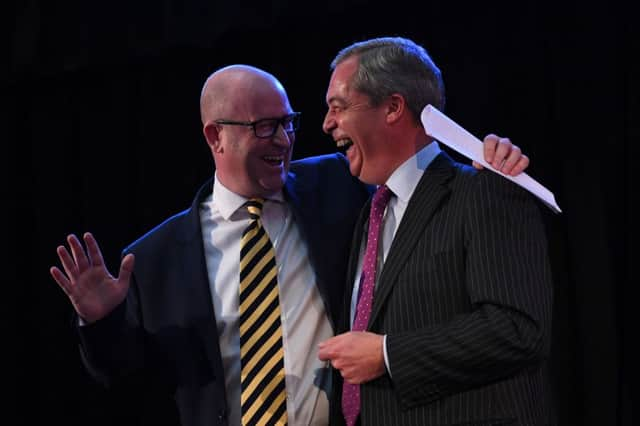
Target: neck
(407,144)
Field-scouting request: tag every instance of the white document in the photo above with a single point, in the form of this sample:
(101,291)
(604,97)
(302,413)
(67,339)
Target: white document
(445,130)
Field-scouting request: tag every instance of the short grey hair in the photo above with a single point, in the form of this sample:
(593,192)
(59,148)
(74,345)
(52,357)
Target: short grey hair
(389,65)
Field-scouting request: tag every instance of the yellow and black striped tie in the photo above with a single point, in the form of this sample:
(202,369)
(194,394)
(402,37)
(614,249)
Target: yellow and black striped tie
(262,355)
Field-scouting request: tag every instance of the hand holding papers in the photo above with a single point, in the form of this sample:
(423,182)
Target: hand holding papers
(445,130)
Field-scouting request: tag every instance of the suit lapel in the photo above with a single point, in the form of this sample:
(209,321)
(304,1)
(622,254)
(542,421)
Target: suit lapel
(428,195)
(361,228)
(292,194)
(301,206)
(304,206)
(196,277)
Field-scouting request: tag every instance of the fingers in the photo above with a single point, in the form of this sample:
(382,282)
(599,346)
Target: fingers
(357,355)
(79,256)
(61,279)
(93,250)
(489,147)
(67,262)
(503,155)
(502,152)
(510,161)
(326,349)
(76,260)
(126,268)
(515,162)
(520,165)
(495,150)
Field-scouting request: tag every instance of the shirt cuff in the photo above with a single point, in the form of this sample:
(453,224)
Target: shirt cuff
(386,357)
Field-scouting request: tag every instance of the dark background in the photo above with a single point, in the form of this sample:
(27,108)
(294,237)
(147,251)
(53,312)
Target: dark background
(103,134)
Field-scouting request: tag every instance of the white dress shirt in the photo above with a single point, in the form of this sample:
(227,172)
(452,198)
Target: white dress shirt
(304,319)
(402,183)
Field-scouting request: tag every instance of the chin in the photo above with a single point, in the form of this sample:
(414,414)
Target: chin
(272,186)
(370,178)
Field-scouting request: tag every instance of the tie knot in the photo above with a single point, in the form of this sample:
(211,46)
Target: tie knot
(381,197)
(254,206)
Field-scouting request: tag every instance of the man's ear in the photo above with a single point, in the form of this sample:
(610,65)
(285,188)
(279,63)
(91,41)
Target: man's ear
(396,107)
(212,135)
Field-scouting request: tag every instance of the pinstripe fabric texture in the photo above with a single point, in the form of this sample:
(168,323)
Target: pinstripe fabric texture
(465,299)
(263,397)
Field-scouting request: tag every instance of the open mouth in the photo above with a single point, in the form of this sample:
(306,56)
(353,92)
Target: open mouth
(344,144)
(274,160)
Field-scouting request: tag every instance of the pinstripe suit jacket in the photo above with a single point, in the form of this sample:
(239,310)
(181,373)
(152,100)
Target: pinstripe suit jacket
(464,298)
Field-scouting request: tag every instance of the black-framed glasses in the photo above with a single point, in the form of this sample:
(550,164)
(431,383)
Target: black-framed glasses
(267,127)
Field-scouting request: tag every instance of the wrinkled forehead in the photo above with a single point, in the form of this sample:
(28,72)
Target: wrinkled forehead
(340,83)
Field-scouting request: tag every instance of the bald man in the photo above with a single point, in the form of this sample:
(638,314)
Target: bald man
(171,325)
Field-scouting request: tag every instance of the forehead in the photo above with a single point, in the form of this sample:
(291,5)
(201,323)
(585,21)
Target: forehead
(340,82)
(263,100)
(270,101)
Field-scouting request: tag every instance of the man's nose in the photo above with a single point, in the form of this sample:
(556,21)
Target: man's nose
(329,123)
(282,137)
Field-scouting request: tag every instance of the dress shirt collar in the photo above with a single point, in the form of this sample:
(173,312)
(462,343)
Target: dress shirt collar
(227,202)
(405,178)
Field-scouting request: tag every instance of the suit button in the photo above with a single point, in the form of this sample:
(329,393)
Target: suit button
(222,415)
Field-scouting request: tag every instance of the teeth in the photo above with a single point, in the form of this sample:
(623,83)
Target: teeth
(341,143)
(273,158)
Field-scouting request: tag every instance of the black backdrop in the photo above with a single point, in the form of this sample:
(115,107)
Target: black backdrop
(103,105)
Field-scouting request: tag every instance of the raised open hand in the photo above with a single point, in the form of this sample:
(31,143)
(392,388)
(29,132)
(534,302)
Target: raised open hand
(92,290)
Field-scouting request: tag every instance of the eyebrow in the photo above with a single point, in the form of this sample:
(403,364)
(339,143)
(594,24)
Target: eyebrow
(338,99)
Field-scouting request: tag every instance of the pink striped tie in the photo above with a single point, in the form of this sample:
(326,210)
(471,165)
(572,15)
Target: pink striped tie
(351,392)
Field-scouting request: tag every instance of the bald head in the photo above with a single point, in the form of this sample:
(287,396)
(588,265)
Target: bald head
(246,164)
(231,91)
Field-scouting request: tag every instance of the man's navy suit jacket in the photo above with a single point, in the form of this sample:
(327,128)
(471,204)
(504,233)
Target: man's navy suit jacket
(163,341)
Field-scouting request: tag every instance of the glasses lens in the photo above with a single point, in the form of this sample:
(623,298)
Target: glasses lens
(269,126)
(266,128)
(291,122)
